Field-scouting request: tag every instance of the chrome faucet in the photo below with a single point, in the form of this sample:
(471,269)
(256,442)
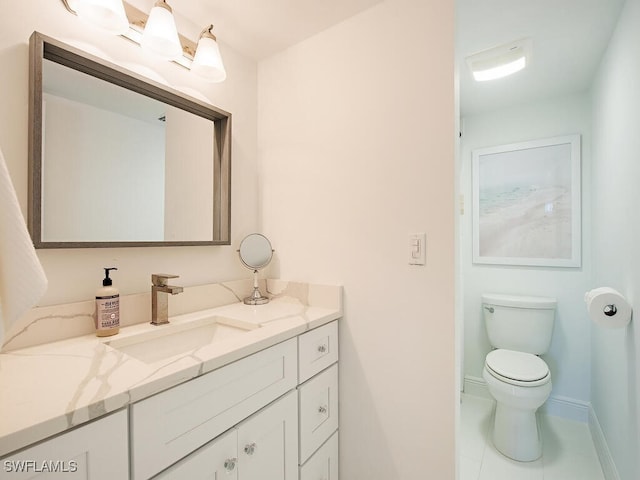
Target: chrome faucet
(159,297)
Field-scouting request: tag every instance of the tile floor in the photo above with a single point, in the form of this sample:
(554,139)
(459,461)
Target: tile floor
(567,449)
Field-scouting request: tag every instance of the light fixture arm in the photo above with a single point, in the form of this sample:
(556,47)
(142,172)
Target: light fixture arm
(163,4)
(68,7)
(208,33)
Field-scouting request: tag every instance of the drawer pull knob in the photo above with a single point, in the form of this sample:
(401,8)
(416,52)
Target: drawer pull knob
(322,348)
(250,448)
(230,464)
(322,409)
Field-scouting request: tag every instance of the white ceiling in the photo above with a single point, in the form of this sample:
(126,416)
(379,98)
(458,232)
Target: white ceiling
(569,38)
(259,28)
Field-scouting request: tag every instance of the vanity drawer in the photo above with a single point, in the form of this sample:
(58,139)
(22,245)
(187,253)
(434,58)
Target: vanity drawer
(318,407)
(323,465)
(170,425)
(317,350)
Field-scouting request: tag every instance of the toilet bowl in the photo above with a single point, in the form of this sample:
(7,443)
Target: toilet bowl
(520,383)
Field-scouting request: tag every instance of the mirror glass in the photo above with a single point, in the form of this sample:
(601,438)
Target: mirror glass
(118,160)
(255,251)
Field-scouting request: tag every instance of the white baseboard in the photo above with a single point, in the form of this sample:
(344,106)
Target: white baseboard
(557,406)
(604,454)
(566,407)
(476,386)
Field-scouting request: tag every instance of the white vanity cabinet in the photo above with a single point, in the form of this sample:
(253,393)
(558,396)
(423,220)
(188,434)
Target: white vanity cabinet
(271,415)
(263,447)
(318,403)
(96,451)
(247,420)
(170,425)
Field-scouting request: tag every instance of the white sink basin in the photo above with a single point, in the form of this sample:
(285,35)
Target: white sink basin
(165,341)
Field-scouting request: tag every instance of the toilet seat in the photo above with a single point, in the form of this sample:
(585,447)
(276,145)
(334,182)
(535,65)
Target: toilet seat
(517,368)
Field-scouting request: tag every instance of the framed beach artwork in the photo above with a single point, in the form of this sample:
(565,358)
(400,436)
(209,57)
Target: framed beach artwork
(526,203)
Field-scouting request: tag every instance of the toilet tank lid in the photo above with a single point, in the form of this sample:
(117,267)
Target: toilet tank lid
(518,301)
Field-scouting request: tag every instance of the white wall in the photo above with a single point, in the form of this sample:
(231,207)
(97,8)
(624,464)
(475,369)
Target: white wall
(75,274)
(185,161)
(122,174)
(356,144)
(615,391)
(568,357)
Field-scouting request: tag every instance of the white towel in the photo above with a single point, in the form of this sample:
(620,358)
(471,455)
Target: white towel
(22,279)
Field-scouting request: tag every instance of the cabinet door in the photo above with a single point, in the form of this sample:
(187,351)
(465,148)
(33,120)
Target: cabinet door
(318,411)
(96,451)
(217,460)
(268,442)
(323,465)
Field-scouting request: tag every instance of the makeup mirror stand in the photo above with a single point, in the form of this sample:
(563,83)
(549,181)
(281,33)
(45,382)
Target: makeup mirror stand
(256,298)
(255,253)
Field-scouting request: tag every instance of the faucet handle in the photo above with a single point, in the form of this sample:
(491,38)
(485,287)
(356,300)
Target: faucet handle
(160,279)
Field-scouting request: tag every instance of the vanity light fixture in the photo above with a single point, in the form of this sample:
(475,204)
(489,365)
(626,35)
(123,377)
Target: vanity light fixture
(500,61)
(207,62)
(155,32)
(160,34)
(107,14)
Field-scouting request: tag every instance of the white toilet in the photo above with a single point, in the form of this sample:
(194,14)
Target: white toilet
(519,329)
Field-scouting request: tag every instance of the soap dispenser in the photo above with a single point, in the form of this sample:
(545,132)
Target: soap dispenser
(107,307)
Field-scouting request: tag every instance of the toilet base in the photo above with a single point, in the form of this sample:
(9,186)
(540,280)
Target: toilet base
(516,433)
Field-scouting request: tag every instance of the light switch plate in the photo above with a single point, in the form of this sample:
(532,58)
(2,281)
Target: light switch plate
(417,248)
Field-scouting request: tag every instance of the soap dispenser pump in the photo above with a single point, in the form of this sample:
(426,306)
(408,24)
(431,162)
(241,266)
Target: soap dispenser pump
(107,307)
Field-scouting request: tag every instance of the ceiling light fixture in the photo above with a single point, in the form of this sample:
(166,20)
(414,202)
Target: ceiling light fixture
(155,32)
(500,61)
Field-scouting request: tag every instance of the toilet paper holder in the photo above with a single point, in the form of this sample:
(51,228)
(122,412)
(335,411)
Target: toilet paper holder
(608,307)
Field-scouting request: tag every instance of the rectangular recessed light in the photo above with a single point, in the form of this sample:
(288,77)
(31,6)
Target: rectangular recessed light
(500,61)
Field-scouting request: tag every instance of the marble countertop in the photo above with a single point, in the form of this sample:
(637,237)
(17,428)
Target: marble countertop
(49,388)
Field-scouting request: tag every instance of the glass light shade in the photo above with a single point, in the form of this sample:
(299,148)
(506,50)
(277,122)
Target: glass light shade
(107,14)
(160,34)
(207,62)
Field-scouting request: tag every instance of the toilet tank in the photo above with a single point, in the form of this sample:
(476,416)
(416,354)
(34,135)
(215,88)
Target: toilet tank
(519,323)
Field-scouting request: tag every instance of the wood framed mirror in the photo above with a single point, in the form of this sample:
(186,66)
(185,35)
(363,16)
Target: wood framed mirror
(119,160)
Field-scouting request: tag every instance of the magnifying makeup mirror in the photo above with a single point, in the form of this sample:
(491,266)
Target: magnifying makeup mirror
(255,253)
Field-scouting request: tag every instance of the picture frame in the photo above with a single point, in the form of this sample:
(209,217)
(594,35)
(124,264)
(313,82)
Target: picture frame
(527,203)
